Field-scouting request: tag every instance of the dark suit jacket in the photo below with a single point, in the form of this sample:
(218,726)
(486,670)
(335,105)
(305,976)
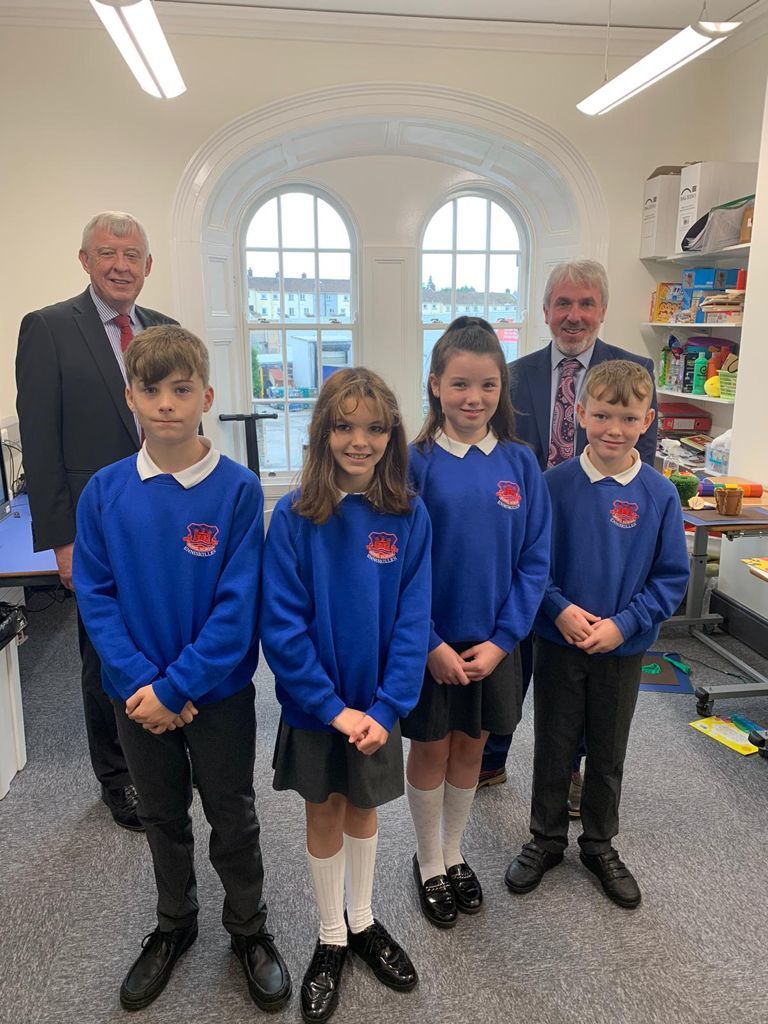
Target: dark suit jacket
(72,412)
(530,383)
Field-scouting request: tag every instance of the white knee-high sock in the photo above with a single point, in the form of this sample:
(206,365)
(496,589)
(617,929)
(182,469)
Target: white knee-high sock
(360,863)
(457,803)
(328,882)
(426,809)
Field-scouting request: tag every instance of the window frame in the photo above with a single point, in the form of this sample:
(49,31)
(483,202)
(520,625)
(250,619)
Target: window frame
(281,325)
(524,264)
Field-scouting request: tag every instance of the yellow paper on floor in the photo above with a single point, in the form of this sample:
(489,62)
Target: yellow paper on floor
(724,731)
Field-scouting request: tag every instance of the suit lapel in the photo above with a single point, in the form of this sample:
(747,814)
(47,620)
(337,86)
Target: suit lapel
(92,330)
(540,385)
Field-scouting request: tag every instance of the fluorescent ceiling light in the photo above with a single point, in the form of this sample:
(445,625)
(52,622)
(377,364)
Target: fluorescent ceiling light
(689,43)
(136,33)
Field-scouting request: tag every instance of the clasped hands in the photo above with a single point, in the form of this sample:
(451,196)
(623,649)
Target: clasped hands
(588,632)
(448,667)
(151,714)
(364,731)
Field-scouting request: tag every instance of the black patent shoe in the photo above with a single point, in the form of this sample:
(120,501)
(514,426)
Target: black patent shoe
(123,802)
(617,880)
(386,958)
(467,891)
(150,972)
(436,898)
(265,971)
(528,868)
(320,987)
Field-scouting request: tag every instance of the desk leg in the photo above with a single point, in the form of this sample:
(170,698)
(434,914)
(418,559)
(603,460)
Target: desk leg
(697,585)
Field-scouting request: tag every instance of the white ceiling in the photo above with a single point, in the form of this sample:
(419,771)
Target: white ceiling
(624,13)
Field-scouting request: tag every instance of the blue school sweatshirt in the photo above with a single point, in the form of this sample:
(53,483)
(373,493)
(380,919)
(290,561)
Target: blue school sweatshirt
(167,580)
(618,551)
(490,541)
(345,612)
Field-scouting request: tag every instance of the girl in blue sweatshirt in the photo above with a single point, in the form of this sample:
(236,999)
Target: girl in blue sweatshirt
(490,556)
(345,628)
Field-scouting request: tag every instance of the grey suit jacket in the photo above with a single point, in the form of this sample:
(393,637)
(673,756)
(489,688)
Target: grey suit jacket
(72,412)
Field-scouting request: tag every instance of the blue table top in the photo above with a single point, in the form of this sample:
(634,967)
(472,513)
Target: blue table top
(16,555)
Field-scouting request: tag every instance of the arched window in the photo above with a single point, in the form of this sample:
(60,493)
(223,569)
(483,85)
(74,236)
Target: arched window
(474,262)
(300,314)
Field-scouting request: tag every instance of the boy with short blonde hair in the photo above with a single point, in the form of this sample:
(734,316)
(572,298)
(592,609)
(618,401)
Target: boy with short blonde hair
(167,566)
(619,568)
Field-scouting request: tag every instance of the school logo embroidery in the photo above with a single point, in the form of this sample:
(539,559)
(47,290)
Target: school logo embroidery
(382,547)
(508,494)
(624,514)
(201,540)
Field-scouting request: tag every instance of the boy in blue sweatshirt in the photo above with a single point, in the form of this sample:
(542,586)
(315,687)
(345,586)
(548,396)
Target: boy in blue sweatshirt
(619,568)
(166,571)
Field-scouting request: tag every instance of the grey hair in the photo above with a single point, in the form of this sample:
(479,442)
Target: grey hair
(116,223)
(588,273)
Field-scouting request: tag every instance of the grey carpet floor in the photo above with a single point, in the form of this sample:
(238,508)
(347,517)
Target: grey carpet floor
(76,893)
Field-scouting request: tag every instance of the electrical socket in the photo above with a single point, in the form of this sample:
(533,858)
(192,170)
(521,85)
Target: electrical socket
(4,435)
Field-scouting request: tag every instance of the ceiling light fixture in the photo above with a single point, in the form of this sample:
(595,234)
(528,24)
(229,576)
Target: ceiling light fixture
(137,34)
(691,42)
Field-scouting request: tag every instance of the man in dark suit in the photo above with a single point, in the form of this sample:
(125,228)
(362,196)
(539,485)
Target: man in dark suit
(74,420)
(575,301)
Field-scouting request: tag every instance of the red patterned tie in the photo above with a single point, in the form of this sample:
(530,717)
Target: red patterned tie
(126,334)
(561,442)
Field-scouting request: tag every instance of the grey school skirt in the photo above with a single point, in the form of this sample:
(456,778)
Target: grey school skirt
(316,764)
(493,704)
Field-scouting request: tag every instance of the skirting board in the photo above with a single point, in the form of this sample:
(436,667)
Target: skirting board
(741,622)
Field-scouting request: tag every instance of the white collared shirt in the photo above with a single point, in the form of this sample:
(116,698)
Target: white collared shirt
(595,475)
(188,477)
(459,449)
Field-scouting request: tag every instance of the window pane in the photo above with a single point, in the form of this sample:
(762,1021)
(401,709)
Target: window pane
(271,438)
(299,416)
(263,286)
(503,231)
(503,304)
(509,338)
(337,351)
(330,228)
(439,233)
(262,231)
(299,271)
(335,295)
(266,363)
(471,227)
(301,362)
(298,220)
(470,285)
(430,337)
(436,288)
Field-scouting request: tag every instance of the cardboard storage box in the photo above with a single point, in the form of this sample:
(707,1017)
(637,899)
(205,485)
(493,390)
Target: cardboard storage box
(660,204)
(705,185)
(710,277)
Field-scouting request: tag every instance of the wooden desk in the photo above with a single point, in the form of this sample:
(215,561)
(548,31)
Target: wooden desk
(753,521)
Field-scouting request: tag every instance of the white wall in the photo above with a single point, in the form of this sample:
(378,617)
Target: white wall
(79,136)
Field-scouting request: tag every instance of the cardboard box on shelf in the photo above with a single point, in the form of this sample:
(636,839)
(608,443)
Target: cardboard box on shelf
(660,205)
(709,277)
(704,185)
(665,302)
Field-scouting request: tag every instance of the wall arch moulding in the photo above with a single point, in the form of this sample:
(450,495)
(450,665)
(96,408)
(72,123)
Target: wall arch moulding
(523,156)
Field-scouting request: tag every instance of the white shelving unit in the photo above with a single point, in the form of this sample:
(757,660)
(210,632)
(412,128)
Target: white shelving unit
(734,256)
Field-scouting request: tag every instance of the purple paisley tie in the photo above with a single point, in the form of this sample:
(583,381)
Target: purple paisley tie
(561,443)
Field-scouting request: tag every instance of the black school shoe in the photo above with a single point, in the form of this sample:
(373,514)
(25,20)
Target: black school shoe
(466,888)
(122,802)
(528,868)
(320,987)
(386,958)
(150,972)
(265,971)
(438,903)
(617,880)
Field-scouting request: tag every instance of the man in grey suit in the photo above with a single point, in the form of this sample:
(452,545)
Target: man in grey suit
(575,301)
(74,420)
